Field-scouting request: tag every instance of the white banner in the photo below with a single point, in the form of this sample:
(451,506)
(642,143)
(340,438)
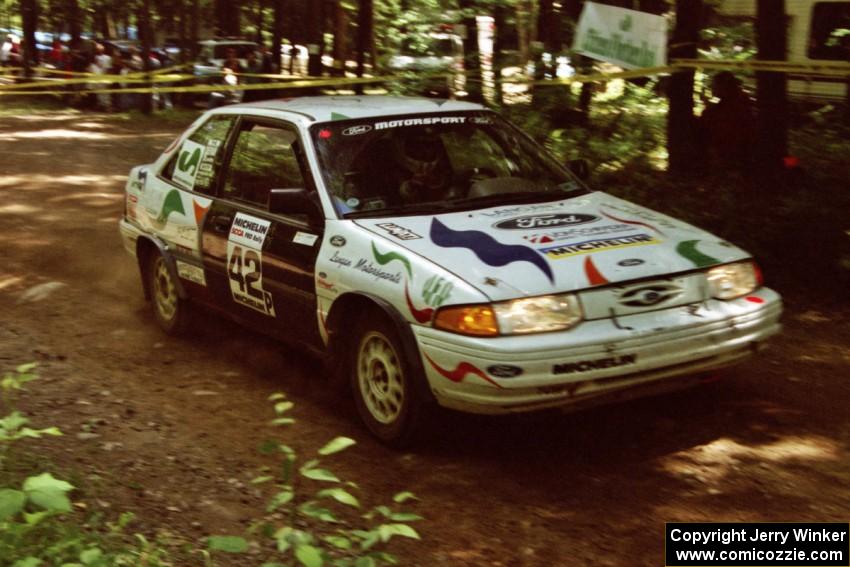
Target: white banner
(627,38)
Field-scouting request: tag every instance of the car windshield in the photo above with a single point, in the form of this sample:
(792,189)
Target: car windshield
(430,163)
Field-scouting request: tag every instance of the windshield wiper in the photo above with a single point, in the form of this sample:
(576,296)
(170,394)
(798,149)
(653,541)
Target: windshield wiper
(400,210)
(511,198)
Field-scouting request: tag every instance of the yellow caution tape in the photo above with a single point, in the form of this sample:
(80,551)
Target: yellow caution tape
(836,69)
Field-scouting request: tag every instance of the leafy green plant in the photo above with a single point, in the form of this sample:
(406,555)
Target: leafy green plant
(37,526)
(319,519)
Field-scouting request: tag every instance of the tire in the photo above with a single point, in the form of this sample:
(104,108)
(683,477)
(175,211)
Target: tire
(383,383)
(172,313)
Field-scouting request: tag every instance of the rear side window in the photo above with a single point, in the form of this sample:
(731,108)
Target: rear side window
(198,161)
(263,159)
(830,32)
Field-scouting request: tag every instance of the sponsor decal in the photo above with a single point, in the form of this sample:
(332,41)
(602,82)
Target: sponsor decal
(649,295)
(486,248)
(191,272)
(171,204)
(245,263)
(754,299)
(200,210)
(588,246)
(545,221)
(519,209)
(504,370)
(341,260)
(424,121)
(207,165)
(325,284)
(693,309)
(132,201)
(249,231)
(632,222)
(630,262)
(577,232)
(688,249)
(481,120)
(436,291)
(421,315)
(597,364)
(186,168)
(357,130)
(337,240)
(305,238)
(367,267)
(460,372)
(592,273)
(643,214)
(384,259)
(339,116)
(398,231)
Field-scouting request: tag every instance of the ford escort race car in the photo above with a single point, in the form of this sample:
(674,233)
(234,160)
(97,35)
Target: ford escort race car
(435,254)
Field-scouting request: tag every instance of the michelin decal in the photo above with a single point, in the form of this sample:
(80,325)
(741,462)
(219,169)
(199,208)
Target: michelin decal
(245,263)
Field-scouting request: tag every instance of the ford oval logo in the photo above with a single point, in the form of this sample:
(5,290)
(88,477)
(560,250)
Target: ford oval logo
(355,130)
(504,370)
(545,221)
(629,262)
(337,240)
(647,296)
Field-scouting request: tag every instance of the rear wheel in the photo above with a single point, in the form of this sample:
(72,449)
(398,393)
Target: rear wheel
(170,310)
(383,383)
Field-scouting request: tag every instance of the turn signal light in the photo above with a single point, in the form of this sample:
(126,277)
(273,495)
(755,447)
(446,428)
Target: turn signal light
(475,320)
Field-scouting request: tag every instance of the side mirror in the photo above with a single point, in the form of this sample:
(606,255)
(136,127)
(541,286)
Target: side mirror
(580,168)
(295,202)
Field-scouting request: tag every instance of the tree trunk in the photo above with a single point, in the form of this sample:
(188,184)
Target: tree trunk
(340,53)
(681,142)
(471,53)
(259,20)
(771,100)
(315,36)
(227,17)
(365,22)
(193,29)
(181,31)
(29,21)
(277,33)
(145,31)
(500,16)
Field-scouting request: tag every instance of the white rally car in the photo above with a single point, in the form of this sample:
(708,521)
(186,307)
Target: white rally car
(435,254)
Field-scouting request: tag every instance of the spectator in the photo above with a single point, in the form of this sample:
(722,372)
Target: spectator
(101,58)
(726,126)
(252,67)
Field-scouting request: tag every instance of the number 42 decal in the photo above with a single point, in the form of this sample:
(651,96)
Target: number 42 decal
(245,273)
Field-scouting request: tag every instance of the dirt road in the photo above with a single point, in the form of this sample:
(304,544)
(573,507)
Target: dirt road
(169,428)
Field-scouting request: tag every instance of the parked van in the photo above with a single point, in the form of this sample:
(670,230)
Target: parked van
(818,33)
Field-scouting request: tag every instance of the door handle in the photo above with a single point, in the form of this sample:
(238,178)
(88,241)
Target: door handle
(222,224)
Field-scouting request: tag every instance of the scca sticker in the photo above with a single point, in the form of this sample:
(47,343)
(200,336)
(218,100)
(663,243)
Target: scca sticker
(245,263)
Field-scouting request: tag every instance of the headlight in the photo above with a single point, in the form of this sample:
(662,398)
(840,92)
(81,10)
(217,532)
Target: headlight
(538,314)
(516,317)
(733,280)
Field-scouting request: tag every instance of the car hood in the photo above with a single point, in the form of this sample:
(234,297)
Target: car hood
(534,249)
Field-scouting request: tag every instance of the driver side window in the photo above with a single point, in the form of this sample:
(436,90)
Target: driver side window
(264,158)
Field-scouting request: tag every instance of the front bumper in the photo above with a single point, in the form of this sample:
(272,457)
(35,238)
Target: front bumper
(624,357)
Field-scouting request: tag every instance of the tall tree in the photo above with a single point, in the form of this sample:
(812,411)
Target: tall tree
(681,143)
(771,95)
(315,36)
(277,32)
(471,52)
(365,35)
(29,21)
(143,20)
(227,17)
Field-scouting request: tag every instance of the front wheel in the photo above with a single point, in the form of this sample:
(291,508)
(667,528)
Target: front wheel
(171,311)
(382,382)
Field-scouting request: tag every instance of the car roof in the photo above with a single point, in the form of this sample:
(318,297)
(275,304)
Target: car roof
(330,108)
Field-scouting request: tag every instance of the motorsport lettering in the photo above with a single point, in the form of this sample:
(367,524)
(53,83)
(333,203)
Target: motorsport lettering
(568,250)
(428,120)
(241,225)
